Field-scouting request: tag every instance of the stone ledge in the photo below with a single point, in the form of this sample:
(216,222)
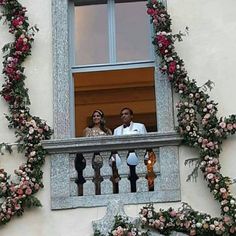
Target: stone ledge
(108,143)
(59,203)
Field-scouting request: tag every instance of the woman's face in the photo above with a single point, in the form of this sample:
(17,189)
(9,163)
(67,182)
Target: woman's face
(96,118)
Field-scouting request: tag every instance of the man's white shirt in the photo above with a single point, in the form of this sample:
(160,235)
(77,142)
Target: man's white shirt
(133,128)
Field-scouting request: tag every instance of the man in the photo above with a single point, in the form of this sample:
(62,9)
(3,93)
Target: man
(128,126)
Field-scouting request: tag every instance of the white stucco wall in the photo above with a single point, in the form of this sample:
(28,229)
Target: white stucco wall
(208,52)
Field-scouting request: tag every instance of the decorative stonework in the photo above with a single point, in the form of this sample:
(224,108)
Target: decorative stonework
(114,207)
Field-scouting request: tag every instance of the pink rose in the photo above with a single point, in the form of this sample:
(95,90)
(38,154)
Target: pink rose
(28,191)
(232,230)
(36,186)
(222,190)
(226,209)
(204,141)
(18,21)
(222,125)
(157,224)
(210,176)
(207,116)
(173,213)
(150,11)
(17,207)
(163,42)
(210,144)
(187,224)
(227,219)
(172,67)
(19,191)
(229,126)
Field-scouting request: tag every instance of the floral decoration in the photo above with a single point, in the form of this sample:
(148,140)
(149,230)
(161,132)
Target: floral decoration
(29,130)
(200,129)
(122,227)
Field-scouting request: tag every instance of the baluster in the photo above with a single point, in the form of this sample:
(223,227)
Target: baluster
(73,176)
(97,164)
(115,178)
(106,173)
(132,160)
(80,164)
(141,170)
(123,171)
(150,161)
(89,188)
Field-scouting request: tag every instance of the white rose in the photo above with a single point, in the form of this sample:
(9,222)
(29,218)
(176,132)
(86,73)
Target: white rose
(199,225)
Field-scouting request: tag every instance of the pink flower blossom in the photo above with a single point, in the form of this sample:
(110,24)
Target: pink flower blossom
(222,125)
(210,176)
(150,11)
(229,126)
(18,21)
(28,191)
(187,224)
(192,232)
(172,67)
(222,190)
(226,209)
(173,213)
(19,191)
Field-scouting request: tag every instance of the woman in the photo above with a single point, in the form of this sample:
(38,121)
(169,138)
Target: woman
(97,126)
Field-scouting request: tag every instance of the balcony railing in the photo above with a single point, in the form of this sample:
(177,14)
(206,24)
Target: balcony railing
(88,172)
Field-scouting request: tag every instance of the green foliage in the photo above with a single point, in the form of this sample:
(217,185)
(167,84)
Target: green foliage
(6,146)
(31,201)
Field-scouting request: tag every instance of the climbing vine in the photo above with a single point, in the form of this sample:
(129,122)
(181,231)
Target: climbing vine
(29,130)
(201,129)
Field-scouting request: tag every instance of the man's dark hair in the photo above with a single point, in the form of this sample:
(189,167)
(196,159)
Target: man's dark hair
(126,108)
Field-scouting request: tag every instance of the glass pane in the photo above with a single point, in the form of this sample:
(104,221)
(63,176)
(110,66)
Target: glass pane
(132,32)
(91,34)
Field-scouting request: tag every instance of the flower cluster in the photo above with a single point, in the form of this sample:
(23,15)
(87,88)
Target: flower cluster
(122,227)
(29,130)
(186,220)
(201,129)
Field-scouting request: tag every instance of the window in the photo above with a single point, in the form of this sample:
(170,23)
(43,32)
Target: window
(164,142)
(113,55)
(109,33)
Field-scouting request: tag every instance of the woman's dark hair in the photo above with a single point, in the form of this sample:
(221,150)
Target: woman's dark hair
(102,125)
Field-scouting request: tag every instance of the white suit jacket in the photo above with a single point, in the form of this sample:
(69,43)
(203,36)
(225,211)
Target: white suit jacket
(134,128)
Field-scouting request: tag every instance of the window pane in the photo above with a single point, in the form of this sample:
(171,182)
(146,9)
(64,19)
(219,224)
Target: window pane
(91,34)
(132,32)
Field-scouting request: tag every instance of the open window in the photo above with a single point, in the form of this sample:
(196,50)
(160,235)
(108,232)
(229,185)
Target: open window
(113,64)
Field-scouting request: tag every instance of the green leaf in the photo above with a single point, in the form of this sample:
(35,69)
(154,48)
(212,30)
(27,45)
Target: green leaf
(32,201)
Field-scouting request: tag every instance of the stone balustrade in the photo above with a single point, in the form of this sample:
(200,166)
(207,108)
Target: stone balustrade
(91,171)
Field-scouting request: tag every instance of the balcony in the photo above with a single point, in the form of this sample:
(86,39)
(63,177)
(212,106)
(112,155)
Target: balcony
(89,172)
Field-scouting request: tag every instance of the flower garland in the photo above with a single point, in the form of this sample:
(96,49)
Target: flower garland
(29,130)
(122,227)
(200,129)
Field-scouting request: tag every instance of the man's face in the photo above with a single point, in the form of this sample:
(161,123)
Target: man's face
(126,117)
